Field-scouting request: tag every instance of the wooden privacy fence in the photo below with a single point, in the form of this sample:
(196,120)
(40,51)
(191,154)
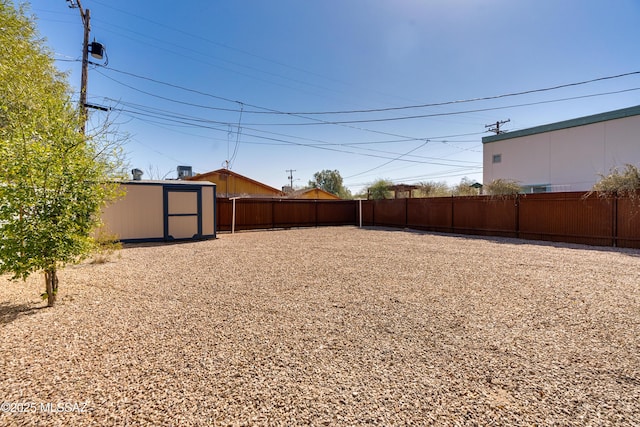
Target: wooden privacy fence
(559,217)
(252,214)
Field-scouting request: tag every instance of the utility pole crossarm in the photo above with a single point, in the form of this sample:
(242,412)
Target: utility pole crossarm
(290,177)
(495,127)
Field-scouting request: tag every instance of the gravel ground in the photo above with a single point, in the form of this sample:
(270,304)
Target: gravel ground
(329,326)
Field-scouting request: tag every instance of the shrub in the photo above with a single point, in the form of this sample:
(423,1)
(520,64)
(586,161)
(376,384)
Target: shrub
(502,187)
(625,183)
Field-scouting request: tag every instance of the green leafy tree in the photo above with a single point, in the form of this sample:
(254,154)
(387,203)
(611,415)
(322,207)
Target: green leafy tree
(380,189)
(330,181)
(53,179)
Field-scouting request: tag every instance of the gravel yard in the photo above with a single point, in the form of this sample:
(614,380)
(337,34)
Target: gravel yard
(329,326)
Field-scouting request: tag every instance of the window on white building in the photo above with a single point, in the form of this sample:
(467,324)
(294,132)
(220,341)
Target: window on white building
(497,158)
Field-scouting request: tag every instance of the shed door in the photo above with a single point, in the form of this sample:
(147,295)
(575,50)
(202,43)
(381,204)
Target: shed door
(183,213)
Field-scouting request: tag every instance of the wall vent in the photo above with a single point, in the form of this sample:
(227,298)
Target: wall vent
(137,174)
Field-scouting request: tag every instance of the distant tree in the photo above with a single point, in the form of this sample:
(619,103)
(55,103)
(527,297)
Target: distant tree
(330,181)
(362,194)
(154,172)
(380,189)
(53,180)
(502,187)
(434,189)
(623,183)
(465,188)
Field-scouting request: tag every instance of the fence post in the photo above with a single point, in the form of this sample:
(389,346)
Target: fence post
(614,219)
(453,223)
(373,213)
(273,213)
(233,214)
(406,211)
(517,216)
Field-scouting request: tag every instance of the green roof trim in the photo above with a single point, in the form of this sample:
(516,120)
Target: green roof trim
(581,121)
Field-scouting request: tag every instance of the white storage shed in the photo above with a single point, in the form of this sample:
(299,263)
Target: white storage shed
(163,211)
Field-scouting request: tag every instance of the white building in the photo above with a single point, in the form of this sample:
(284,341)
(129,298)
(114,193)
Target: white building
(564,156)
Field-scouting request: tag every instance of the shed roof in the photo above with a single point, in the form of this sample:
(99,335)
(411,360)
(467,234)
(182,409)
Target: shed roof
(165,182)
(581,121)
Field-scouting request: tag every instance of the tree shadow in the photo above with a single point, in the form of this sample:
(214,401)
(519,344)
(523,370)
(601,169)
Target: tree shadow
(10,312)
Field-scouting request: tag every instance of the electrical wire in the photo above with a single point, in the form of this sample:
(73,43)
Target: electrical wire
(315,122)
(244,52)
(319,147)
(390,161)
(266,110)
(238,131)
(205,123)
(450,113)
(486,98)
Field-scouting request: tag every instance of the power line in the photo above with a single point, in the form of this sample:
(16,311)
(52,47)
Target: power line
(486,98)
(390,161)
(196,120)
(333,79)
(450,113)
(190,104)
(190,120)
(203,123)
(319,147)
(266,110)
(244,52)
(238,130)
(315,122)
(251,105)
(437,175)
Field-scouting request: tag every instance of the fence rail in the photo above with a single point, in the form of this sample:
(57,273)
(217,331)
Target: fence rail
(560,217)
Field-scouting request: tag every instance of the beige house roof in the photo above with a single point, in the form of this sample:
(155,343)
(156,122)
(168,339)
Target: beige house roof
(232,184)
(312,193)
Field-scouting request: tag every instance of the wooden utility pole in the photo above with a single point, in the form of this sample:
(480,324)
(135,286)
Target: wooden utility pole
(495,127)
(86,17)
(290,177)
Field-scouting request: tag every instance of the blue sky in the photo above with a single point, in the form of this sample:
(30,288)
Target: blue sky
(281,84)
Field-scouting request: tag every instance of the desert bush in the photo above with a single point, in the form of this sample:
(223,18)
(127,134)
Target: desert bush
(617,183)
(502,187)
(106,244)
(434,189)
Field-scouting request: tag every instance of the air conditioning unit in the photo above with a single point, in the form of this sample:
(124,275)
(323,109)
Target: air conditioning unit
(185,172)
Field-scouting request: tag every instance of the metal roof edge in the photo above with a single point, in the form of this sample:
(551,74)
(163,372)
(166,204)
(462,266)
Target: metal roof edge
(166,182)
(580,121)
